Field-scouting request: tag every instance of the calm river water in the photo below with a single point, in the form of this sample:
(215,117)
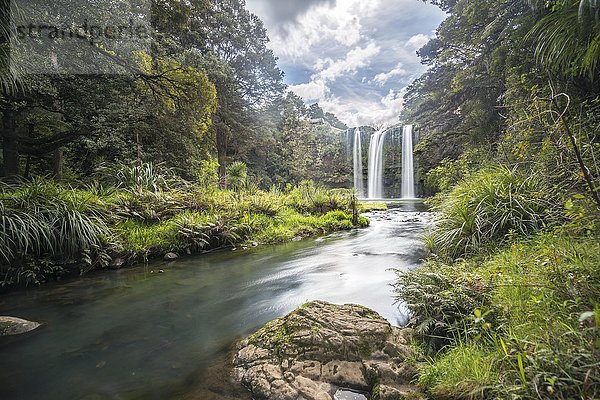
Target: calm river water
(140,334)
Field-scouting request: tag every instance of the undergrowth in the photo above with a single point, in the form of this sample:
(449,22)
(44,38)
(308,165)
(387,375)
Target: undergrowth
(142,212)
(519,322)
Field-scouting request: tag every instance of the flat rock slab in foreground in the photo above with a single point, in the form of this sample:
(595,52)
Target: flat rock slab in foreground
(16,326)
(320,347)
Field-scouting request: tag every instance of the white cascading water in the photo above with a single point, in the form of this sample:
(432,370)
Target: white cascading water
(375,190)
(358,167)
(408,173)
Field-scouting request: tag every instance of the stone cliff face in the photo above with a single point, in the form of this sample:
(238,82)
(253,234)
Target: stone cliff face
(319,348)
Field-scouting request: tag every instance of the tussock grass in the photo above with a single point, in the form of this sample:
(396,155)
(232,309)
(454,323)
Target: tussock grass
(145,212)
(530,310)
(464,372)
(487,207)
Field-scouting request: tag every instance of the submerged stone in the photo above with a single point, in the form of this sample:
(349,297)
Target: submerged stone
(16,326)
(342,394)
(320,348)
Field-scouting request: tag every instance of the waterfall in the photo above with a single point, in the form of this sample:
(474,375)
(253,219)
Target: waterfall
(358,167)
(376,165)
(408,173)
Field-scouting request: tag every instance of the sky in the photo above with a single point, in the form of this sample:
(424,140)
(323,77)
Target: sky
(354,57)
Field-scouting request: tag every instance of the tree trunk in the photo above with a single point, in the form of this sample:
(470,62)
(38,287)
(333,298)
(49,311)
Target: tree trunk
(10,144)
(59,158)
(221,133)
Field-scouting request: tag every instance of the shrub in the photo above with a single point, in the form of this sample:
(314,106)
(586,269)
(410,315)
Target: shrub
(141,177)
(149,206)
(487,207)
(464,372)
(445,305)
(336,221)
(237,175)
(42,219)
(311,198)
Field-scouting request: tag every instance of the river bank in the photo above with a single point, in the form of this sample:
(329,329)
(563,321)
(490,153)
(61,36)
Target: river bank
(53,231)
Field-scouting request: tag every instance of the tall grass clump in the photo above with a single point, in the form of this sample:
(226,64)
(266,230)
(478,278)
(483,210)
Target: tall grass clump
(140,177)
(488,206)
(465,372)
(41,219)
(315,199)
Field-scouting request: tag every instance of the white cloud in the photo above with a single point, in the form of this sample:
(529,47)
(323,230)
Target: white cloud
(329,70)
(382,78)
(354,60)
(367,111)
(347,54)
(315,90)
(417,41)
(339,23)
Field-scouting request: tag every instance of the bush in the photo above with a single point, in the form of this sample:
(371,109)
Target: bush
(311,198)
(149,206)
(41,219)
(486,208)
(446,305)
(464,372)
(141,177)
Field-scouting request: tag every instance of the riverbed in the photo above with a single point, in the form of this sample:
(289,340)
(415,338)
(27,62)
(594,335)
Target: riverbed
(154,332)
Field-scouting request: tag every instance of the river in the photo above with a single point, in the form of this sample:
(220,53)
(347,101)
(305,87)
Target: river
(144,334)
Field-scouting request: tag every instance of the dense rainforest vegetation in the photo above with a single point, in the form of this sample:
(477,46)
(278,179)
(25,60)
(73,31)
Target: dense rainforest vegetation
(189,146)
(507,305)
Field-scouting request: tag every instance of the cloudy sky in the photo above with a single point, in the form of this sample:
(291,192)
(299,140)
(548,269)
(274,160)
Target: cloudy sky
(353,57)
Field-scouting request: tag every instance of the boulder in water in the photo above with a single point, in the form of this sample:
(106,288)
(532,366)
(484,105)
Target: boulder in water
(16,326)
(319,348)
(117,263)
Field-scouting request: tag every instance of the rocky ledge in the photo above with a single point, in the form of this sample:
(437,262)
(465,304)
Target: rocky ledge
(320,348)
(15,326)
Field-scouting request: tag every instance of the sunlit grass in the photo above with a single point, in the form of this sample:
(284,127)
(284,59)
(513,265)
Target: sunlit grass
(464,372)
(149,214)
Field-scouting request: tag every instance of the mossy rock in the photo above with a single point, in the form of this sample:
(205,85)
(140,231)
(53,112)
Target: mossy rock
(320,347)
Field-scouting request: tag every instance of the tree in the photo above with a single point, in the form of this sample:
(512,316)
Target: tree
(243,69)
(568,37)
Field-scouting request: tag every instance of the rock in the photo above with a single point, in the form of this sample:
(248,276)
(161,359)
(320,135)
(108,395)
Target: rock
(16,326)
(320,348)
(117,263)
(297,239)
(170,257)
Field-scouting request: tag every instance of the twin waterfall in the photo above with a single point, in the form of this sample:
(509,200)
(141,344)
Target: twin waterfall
(375,172)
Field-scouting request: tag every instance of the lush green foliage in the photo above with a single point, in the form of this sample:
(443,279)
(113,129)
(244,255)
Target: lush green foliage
(520,322)
(487,207)
(465,372)
(44,221)
(51,229)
